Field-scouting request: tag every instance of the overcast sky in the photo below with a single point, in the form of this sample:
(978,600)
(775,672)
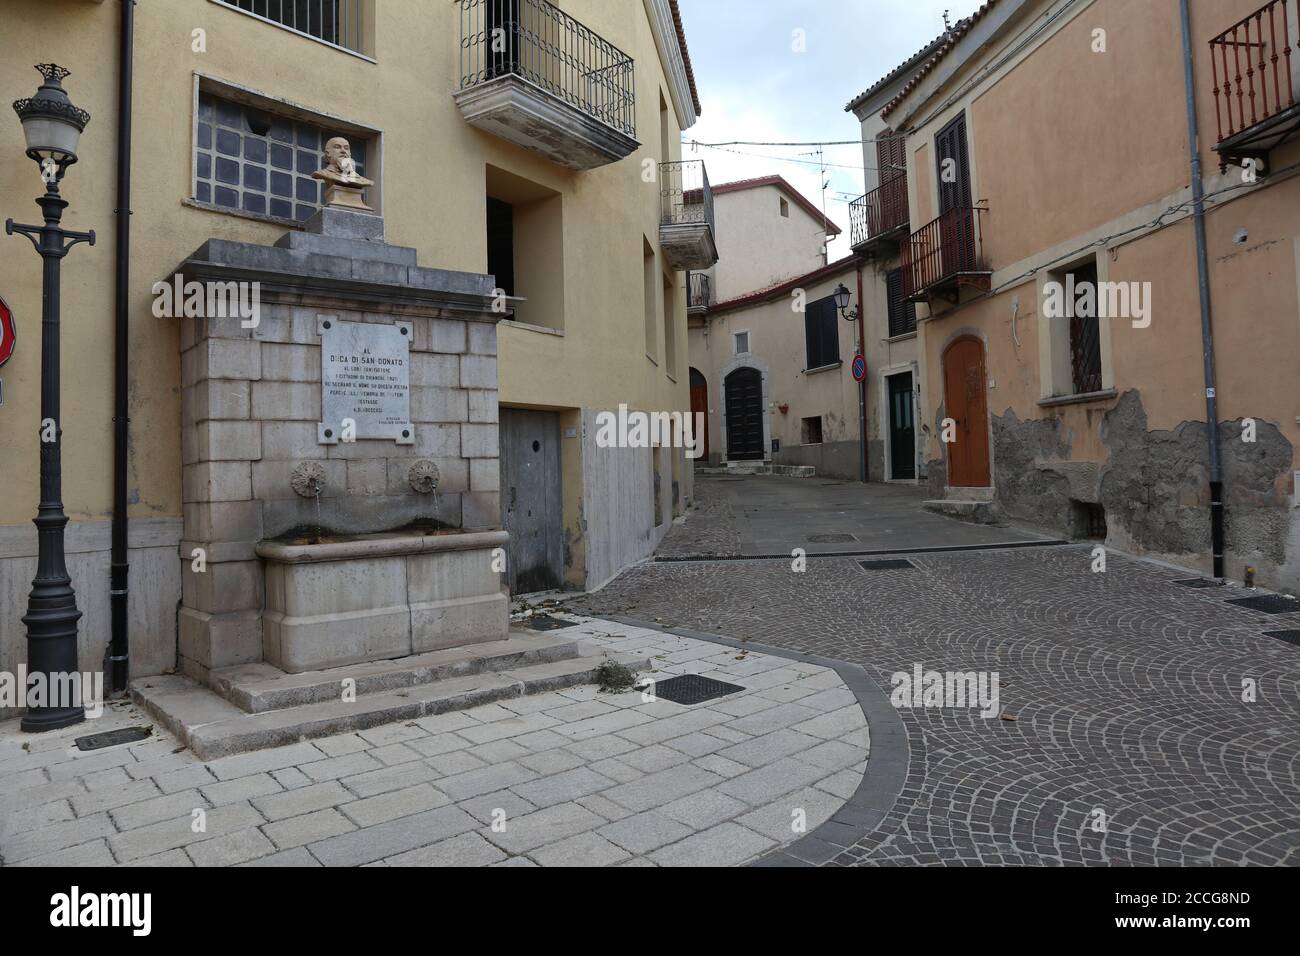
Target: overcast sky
(754,86)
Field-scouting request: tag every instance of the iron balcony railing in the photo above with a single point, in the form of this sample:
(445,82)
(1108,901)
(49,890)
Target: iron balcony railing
(943,251)
(338,22)
(1251,64)
(879,212)
(540,43)
(685,193)
(699,291)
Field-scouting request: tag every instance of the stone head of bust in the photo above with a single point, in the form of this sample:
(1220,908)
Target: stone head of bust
(340,168)
(338,156)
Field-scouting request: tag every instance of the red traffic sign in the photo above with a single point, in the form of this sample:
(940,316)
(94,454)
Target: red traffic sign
(8,333)
(859,368)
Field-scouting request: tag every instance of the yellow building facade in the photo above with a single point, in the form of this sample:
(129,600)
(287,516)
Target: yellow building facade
(597,306)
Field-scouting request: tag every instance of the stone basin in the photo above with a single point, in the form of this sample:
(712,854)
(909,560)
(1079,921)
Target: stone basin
(359,598)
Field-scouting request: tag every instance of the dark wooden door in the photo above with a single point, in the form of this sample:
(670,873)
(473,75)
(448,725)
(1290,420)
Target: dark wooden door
(954,176)
(531,504)
(957,226)
(700,406)
(966,402)
(902,428)
(744,392)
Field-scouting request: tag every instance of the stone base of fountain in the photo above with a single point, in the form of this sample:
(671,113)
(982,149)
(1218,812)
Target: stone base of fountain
(379,597)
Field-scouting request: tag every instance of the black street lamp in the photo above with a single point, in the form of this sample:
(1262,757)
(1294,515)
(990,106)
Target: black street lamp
(52,127)
(842,298)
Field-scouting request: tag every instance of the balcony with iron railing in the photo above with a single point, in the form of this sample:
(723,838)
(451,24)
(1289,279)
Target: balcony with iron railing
(535,76)
(1254,86)
(880,217)
(687,229)
(699,292)
(945,256)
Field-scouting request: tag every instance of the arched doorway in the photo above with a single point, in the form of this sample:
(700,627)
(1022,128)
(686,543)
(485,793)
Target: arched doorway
(700,406)
(966,402)
(744,394)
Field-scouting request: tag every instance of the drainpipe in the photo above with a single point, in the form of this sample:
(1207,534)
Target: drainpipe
(862,386)
(117,663)
(1203,277)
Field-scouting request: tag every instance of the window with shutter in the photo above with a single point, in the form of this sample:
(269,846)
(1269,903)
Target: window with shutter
(821,328)
(902,314)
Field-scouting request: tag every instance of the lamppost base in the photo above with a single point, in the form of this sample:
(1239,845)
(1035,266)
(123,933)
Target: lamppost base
(53,718)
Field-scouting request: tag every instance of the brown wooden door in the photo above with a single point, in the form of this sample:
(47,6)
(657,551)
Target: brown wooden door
(700,406)
(966,402)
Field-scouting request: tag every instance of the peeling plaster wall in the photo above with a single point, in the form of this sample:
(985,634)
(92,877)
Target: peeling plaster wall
(1155,488)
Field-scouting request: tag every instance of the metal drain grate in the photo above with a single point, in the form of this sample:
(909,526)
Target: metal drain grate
(1269,604)
(891,564)
(1291,637)
(831,539)
(544,622)
(693,689)
(113,738)
(1199,583)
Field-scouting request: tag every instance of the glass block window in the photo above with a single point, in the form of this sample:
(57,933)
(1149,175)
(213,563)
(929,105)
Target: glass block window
(256,162)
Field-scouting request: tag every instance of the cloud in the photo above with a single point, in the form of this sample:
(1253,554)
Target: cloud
(756,84)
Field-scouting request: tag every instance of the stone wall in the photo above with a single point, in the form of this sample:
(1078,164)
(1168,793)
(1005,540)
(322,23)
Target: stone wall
(251,408)
(151,605)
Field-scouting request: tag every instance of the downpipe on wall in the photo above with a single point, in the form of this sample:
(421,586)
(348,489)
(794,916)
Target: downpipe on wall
(117,658)
(862,385)
(1203,277)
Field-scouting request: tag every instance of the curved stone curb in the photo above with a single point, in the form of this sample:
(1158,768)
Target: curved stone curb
(886,766)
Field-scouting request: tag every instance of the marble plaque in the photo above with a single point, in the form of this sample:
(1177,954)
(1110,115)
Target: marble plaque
(365,381)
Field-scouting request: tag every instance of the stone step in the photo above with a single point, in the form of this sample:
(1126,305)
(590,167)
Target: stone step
(259,688)
(977,512)
(213,727)
(970,494)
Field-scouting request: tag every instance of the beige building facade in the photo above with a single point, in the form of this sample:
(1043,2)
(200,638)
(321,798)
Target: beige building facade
(785,348)
(1091,419)
(481,165)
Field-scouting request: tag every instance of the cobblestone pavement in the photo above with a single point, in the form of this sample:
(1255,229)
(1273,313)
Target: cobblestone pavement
(711,528)
(574,777)
(1121,696)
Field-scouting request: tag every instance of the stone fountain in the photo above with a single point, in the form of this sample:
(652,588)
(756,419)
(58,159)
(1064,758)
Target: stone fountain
(341,491)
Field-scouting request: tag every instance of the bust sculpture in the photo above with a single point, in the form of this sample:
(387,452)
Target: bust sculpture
(343,182)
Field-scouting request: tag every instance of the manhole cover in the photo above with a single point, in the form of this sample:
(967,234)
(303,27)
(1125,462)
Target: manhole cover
(1291,637)
(693,689)
(891,564)
(831,539)
(113,738)
(1269,604)
(544,622)
(1199,583)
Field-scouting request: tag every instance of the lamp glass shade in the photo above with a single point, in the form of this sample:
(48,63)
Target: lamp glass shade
(841,298)
(51,136)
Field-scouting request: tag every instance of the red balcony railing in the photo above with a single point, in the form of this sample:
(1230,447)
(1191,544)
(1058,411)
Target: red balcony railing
(879,212)
(943,254)
(1251,64)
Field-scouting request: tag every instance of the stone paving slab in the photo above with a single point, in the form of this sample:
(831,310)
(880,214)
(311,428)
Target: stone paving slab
(572,777)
